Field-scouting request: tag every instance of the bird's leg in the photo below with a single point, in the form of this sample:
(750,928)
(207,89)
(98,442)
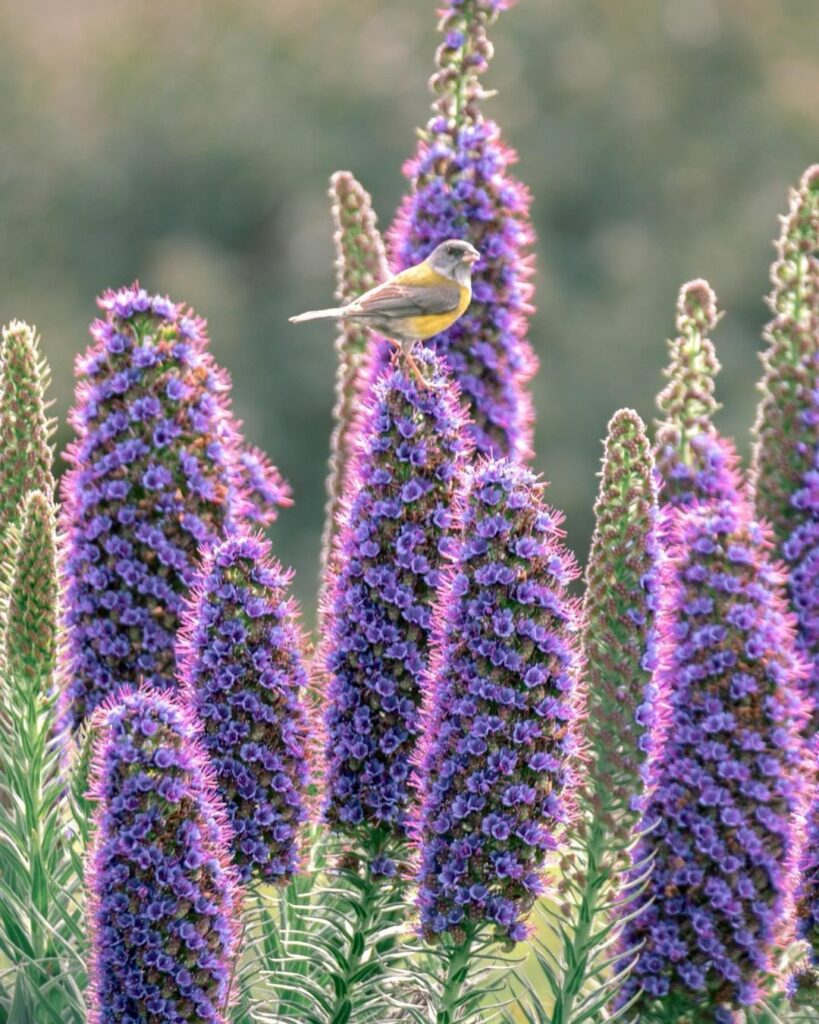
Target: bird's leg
(406,349)
(397,349)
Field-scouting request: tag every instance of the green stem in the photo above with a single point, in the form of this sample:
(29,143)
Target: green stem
(585,912)
(457,970)
(367,914)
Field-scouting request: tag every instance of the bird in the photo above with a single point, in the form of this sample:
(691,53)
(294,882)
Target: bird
(414,304)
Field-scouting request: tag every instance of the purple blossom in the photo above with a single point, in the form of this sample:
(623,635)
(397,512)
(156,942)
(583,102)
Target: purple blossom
(725,817)
(240,656)
(156,472)
(163,899)
(460,187)
(391,551)
(495,768)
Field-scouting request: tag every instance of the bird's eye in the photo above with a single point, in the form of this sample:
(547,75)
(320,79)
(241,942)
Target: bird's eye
(452,250)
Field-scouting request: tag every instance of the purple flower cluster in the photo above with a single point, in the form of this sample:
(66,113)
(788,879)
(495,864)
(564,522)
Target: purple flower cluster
(163,903)
(626,709)
(725,818)
(495,768)
(391,551)
(240,656)
(262,487)
(460,187)
(156,472)
(691,458)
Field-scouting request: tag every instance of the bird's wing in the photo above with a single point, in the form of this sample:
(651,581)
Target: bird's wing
(407,294)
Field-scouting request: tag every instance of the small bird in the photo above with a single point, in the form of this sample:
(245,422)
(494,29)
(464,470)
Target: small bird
(416,303)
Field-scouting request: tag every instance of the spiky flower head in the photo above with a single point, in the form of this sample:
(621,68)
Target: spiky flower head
(262,487)
(25,429)
(626,710)
(163,898)
(690,455)
(725,819)
(392,548)
(156,472)
(460,187)
(495,771)
(28,618)
(240,655)
(785,465)
(785,471)
(361,263)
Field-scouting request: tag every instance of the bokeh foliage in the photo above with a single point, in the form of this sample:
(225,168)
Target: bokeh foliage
(190,144)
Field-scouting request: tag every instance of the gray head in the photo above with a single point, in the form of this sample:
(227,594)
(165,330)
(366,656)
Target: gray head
(454,259)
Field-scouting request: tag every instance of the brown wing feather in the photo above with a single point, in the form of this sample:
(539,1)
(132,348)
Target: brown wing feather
(394,299)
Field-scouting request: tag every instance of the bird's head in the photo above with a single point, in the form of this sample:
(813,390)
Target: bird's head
(454,259)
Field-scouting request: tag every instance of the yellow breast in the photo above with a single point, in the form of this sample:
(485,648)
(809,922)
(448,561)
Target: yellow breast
(430,324)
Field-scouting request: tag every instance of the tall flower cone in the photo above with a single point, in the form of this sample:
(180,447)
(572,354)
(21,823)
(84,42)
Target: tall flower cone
(241,661)
(25,428)
(724,824)
(28,619)
(157,471)
(391,554)
(361,263)
(164,903)
(785,472)
(627,711)
(689,453)
(496,769)
(460,187)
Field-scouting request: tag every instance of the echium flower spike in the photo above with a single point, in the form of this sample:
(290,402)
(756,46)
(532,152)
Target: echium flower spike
(460,187)
(785,478)
(690,455)
(156,472)
(724,823)
(392,549)
(240,656)
(361,263)
(785,467)
(28,626)
(626,712)
(25,428)
(163,897)
(496,766)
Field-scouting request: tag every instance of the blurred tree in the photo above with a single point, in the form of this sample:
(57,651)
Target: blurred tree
(190,144)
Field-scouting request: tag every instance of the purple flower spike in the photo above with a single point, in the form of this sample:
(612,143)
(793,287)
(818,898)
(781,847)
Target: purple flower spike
(240,655)
(460,187)
(265,489)
(495,769)
(157,471)
(394,541)
(163,897)
(725,819)
(694,462)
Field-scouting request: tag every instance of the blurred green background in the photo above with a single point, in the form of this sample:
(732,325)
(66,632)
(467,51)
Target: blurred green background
(189,144)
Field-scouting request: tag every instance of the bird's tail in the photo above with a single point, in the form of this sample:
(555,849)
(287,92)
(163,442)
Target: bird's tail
(318,314)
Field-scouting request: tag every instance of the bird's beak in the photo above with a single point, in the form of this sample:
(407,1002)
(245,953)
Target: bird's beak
(471,256)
